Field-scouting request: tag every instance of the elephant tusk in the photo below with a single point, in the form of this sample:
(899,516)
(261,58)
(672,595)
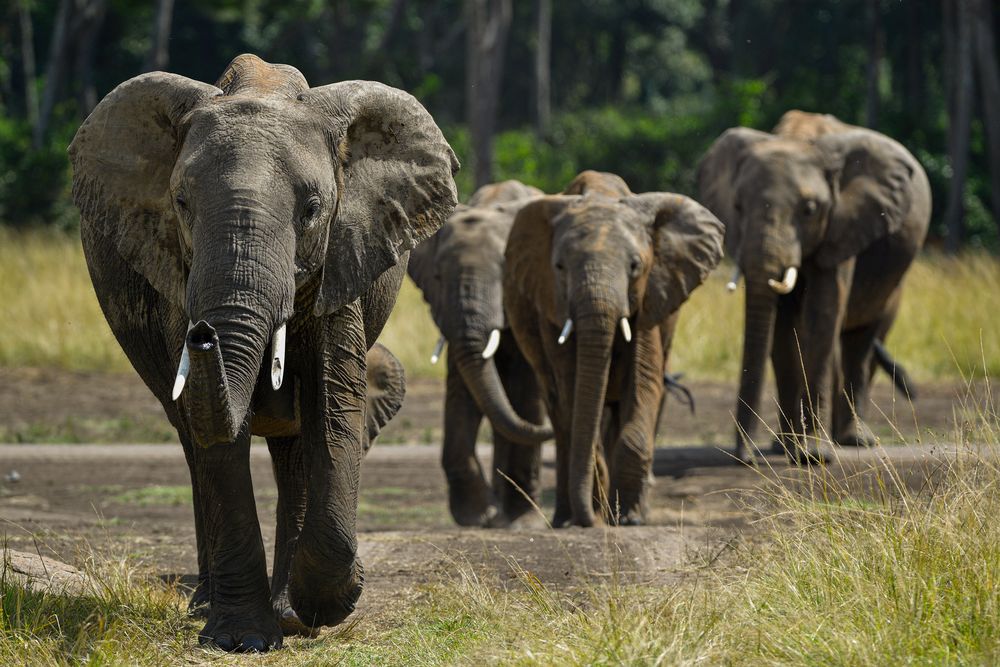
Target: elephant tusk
(492,344)
(566,330)
(278,358)
(436,354)
(626,330)
(788,282)
(183,368)
(734,281)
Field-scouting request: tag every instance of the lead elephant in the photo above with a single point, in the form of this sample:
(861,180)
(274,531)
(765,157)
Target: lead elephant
(460,272)
(823,220)
(583,273)
(246,242)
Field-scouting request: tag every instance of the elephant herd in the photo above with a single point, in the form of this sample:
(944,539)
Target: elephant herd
(247,241)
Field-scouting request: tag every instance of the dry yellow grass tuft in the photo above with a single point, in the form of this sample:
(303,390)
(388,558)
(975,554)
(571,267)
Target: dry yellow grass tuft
(946,327)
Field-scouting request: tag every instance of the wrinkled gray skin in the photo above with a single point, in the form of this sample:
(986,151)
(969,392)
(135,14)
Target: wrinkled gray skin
(596,259)
(849,208)
(240,207)
(460,272)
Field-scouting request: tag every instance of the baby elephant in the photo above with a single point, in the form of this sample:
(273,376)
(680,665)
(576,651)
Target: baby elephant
(823,219)
(460,271)
(590,282)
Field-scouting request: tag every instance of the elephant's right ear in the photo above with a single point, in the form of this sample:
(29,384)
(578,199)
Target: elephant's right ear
(122,157)
(398,185)
(717,178)
(423,270)
(528,256)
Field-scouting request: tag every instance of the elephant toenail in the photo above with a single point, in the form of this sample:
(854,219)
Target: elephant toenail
(253,644)
(225,642)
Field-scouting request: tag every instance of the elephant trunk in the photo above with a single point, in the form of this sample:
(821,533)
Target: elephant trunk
(595,333)
(483,381)
(761,302)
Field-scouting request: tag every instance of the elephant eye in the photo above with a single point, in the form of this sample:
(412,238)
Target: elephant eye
(635,266)
(738,207)
(809,207)
(181,202)
(560,267)
(311,210)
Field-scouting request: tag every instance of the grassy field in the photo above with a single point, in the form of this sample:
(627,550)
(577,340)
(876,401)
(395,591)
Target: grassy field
(947,326)
(893,577)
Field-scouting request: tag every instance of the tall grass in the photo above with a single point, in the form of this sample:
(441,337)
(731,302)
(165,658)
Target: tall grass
(951,307)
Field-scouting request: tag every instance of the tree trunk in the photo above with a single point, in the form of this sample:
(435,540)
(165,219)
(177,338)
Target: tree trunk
(989,93)
(30,73)
(915,84)
(159,52)
(487,25)
(543,68)
(960,125)
(87,29)
(58,61)
(875,48)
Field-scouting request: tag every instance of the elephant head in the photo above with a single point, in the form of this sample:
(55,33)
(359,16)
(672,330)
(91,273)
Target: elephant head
(592,267)
(598,182)
(460,272)
(787,203)
(503,192)
(245,202)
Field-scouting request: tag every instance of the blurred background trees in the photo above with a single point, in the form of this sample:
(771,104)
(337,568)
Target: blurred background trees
(638,87)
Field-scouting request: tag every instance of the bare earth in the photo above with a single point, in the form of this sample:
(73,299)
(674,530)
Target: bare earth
(130,499)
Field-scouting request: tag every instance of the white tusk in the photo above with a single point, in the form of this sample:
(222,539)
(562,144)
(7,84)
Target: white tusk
(787,284)
(278,358)
(734,281)
(492,344)
(436,354)
(626,330)
(567,328)
(183,368)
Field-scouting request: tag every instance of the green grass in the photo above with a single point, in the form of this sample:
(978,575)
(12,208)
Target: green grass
(950,310)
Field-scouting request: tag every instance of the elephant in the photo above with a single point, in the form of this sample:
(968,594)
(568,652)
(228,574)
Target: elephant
(459,270)
(823,219)
(583,272)
(246,241)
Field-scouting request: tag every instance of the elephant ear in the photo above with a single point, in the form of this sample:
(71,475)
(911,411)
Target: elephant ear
(122,157)
(687,245)
(423,268)
(874,177)
(717,178)
(598,182)
(386,390)
(398,186)
(528,257)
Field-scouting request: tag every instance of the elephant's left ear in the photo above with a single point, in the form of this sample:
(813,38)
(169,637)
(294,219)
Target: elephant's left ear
(687,245)
(874,176)
(398,186)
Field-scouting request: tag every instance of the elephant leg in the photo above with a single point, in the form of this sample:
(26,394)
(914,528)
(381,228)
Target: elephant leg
(857,354)
(788,375)
(240,615)
(517,489)
(470,500)
(288,466)
(327,576)
(198,605)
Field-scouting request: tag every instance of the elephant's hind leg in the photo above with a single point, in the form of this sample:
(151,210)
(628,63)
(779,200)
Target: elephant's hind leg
(851,402)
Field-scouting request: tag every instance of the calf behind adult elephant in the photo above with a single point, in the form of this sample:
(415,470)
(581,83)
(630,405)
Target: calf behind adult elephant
(246,242)
(823,219)
(590,281)
(460,272)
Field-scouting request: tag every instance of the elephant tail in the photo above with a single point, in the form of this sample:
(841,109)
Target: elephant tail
(899,376)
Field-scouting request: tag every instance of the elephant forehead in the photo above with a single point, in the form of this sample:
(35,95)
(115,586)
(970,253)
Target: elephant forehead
(599,227)
(240,121)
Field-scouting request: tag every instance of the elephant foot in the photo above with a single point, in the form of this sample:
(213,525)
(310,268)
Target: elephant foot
(289,621)
(858,436)
(804,456)
(242,630)
(318,601)
(470,502)
(198,605)
(744,456)
(629,519)
(526,520)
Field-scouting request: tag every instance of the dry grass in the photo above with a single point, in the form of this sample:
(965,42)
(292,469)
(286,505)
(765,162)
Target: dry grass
(950,310)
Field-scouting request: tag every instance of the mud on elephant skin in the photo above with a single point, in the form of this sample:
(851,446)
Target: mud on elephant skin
(460,272)
(823,219)
(246,241)
(591,290)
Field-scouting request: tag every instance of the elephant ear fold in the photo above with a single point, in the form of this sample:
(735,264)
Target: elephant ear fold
(398,186)
(687,245)
(874,176)
(386,391)
(123,155)
(717,178)
(528,256)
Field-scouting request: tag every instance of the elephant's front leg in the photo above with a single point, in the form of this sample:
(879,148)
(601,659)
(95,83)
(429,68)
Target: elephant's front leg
(326,574)
(240,616)
(633,453)
(822,316)
(469,498)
